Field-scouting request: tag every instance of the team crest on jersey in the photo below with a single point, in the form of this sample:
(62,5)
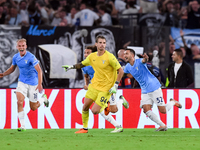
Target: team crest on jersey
(103,61)
(26,61)
(136,68)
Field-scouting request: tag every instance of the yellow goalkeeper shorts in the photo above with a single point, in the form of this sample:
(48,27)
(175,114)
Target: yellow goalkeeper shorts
(101,98)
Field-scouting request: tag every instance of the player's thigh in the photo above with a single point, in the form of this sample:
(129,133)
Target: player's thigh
(91,93)
(87,103)
(33,94)
(96,108)
(146,100)
(157,97)
(102,99)
(23,89)
(20,98)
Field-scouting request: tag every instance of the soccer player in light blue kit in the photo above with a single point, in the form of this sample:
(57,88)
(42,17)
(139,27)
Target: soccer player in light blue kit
(29,81)
(88,72)
(150,87)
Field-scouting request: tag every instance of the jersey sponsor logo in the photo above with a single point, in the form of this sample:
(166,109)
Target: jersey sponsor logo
(103,61)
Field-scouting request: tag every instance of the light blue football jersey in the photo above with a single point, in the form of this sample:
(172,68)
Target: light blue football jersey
(88,70)
(148,82)
(26,64)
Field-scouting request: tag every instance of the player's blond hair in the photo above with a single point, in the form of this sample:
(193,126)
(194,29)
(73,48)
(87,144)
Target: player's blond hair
(21,40)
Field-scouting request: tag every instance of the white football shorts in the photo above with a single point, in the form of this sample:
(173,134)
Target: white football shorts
(153,97)
(28,91)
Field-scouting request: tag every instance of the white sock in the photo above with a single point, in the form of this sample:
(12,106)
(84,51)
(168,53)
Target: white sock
(21,118)
(119,103)
(110,119)
(154,118)
(41,101)
(169,105)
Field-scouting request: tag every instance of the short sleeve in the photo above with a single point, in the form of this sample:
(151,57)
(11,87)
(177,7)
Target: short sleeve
(34,60)
(86,62)
(114,62)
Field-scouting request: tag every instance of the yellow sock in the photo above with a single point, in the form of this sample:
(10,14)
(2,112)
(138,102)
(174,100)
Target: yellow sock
(85,118)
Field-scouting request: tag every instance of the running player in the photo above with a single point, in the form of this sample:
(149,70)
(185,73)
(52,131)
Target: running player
(29,82)
(103,84)
(150,86)
(88,72)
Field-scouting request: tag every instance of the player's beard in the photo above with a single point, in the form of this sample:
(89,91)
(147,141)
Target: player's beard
(127,60)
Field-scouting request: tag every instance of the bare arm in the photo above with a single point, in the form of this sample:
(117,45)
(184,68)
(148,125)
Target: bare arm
(8,71)
(128,75)
(87,80)
(145,58)
(38,69)
(120,74)
(182,37)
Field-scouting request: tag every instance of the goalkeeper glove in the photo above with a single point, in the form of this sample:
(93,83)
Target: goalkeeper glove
(68,67)
(114,88)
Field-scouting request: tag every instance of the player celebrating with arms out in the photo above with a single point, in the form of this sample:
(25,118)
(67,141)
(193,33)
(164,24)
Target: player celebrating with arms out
(150,87)
(103,84)
(88,72)
(29,82)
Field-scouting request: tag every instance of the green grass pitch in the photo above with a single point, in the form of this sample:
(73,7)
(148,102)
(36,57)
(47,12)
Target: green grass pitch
(100,139)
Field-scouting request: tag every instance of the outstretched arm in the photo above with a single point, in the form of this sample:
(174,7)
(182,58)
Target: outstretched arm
(8,71)
(76,66)
(128,75)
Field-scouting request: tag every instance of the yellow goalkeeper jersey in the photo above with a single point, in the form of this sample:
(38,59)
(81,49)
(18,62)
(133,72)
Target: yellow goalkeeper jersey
(105,67)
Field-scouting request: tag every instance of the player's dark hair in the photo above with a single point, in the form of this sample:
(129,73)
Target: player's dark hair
(179,52)
(131,50)
(99,37)
(92,47)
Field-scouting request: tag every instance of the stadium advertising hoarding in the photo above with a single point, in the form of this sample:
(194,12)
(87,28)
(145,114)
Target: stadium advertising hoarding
(66,107)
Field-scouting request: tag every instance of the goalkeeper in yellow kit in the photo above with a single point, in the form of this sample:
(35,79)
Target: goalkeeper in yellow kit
(103,84)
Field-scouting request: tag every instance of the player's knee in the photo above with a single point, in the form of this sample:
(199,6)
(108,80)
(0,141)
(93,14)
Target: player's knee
(95,112)
(33,108)
(113,109)
(20,102)
(85,108)
(145,110)
(163,111)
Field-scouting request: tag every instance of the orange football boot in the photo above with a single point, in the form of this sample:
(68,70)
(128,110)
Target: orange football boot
(82,131)
(107,110)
